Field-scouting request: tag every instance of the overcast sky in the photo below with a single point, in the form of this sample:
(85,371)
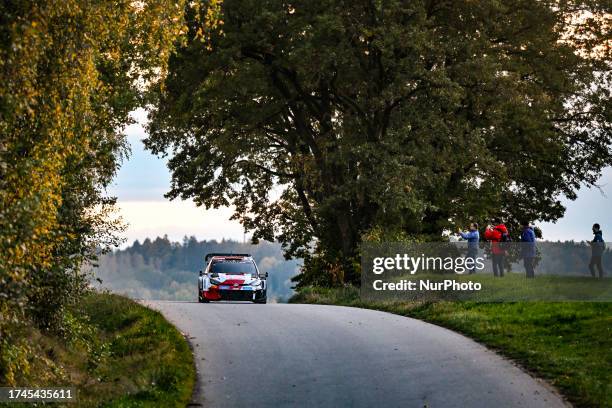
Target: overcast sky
(144,178)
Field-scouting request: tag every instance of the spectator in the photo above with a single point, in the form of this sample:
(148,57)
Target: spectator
(528,249)
(597,249)
(497,235)
(472,237)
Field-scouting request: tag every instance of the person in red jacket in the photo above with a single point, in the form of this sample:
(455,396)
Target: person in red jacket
(497,235)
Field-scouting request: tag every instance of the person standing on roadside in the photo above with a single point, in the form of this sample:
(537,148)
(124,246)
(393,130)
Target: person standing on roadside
(528,249)
(473,238)
(498,235)
(597,248)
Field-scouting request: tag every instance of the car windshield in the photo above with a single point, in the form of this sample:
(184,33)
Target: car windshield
(233,267)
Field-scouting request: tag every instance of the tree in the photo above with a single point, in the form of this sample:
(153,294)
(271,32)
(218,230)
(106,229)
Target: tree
(70,73)
(320,121)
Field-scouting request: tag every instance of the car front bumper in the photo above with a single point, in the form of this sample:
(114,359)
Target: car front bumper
(215,293)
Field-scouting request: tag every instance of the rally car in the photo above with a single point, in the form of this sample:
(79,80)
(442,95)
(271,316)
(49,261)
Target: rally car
(231,277)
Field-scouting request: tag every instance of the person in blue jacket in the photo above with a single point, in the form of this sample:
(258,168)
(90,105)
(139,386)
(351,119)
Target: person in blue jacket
(473,238)
(528,249)
(597,249)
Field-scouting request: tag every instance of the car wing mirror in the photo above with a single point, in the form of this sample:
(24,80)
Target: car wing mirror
(263,275)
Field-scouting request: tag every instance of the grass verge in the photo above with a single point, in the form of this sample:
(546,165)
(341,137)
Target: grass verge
(117,353)
(569,344)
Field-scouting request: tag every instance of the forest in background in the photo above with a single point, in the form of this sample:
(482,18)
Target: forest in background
(161,269)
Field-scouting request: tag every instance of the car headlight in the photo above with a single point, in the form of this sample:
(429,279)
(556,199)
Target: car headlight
(214,281)
(255,283)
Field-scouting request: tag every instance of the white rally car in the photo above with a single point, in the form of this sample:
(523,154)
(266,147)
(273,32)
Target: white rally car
(231,277)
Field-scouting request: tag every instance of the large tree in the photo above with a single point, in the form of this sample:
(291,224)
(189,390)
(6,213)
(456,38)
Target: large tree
(70,73)
(320,120)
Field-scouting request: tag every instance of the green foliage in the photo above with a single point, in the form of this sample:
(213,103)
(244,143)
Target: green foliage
(568,343)
(118,354)
(140,353)
(70,73)
(160,269)
(318,270)
(412,116)
(14,357)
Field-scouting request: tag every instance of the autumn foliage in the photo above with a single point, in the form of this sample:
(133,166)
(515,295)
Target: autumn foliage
(70,73)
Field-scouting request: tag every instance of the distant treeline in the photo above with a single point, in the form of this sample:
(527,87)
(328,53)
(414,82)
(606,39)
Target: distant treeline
(161,269)
(570,258)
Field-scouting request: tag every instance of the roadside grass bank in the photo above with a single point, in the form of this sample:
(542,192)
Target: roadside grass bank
(117,353)
(567,343)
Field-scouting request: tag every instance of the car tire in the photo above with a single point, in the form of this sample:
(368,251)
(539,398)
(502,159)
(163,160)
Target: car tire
(263,300)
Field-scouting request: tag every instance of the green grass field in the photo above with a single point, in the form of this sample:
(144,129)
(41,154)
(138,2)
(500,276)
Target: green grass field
(122,354)
(567,343)
(511,288)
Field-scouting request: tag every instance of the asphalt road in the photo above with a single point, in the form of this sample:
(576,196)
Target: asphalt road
(279,355)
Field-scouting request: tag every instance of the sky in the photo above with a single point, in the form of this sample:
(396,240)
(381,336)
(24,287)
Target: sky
(144,178)
(140,186)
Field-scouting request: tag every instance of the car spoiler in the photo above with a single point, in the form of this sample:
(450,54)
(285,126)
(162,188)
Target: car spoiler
(208,256)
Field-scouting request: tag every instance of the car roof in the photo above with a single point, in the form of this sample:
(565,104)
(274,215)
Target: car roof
(223,255)
(231,258)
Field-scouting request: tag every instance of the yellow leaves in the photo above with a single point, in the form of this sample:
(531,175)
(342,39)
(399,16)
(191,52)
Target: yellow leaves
(212,21)
(214,15)
(14,360)
(64,91)
(68,78)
